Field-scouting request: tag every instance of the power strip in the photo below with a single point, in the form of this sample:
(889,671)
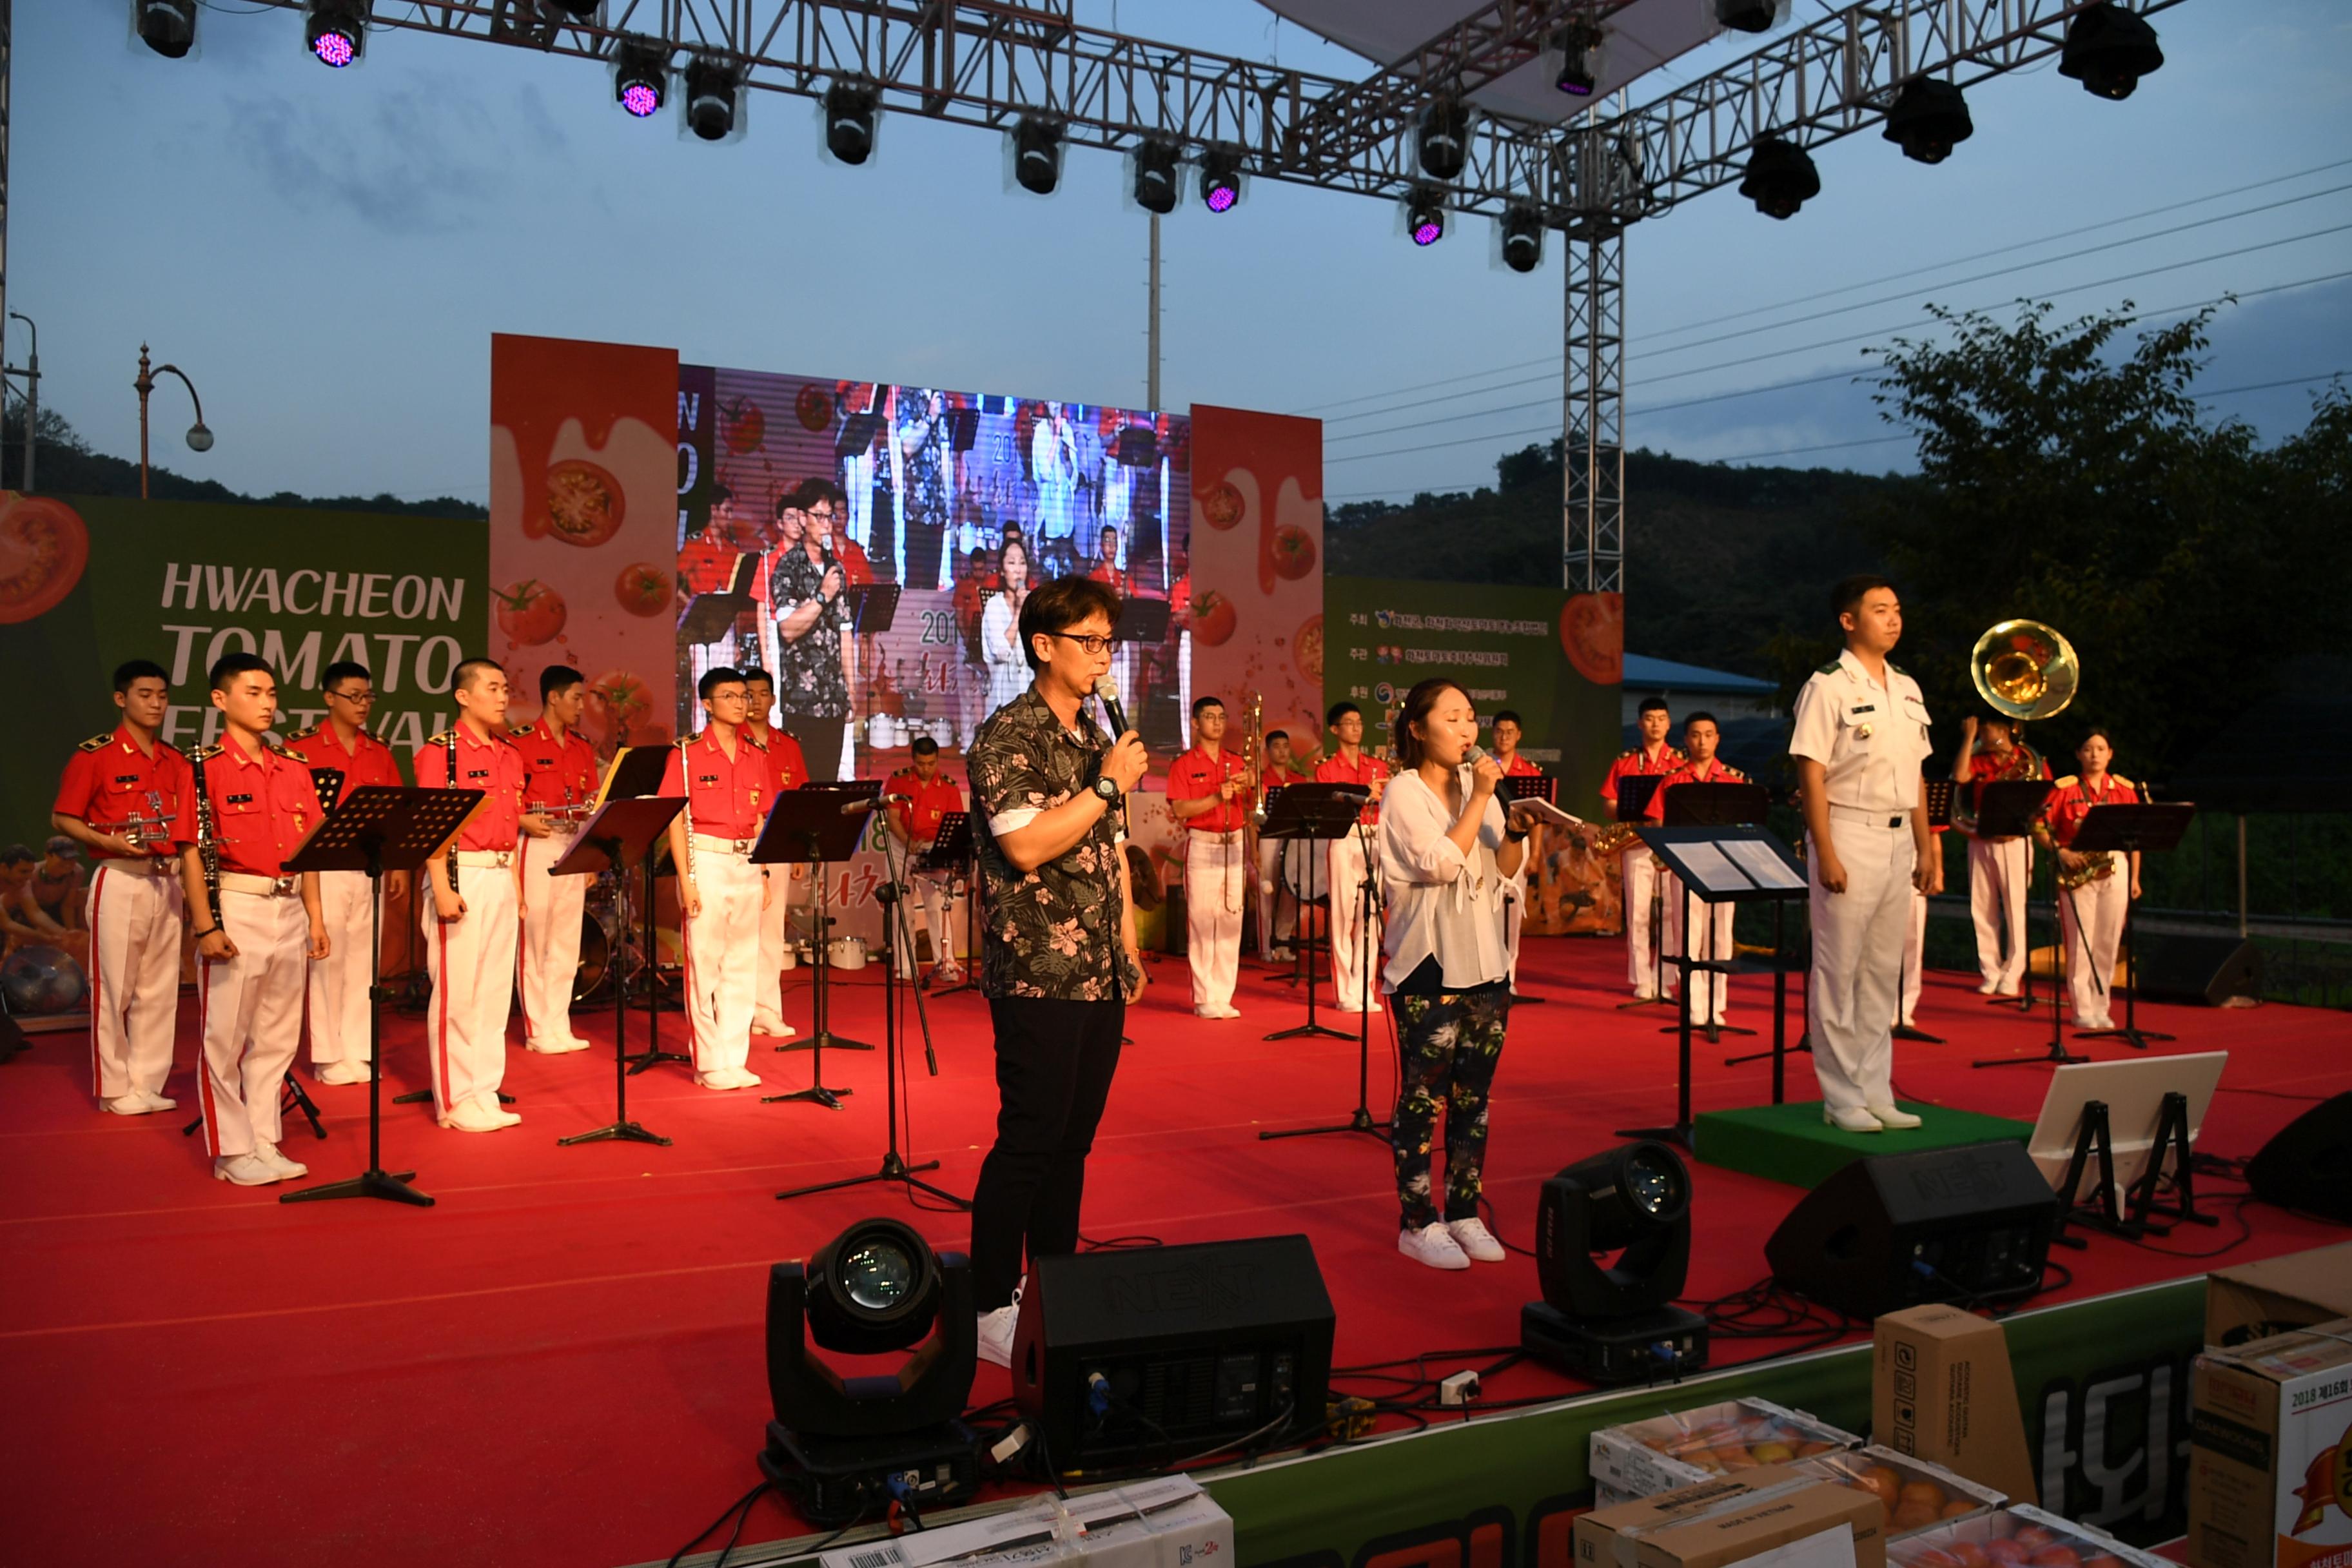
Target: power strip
(1458,1390)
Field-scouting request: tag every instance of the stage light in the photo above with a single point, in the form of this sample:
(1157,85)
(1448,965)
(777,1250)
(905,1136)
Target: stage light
(849,110)
(641,76)
(1424,216)
(1037,153)
(1781,178)
(1579,45)
(337,31)
(1928,118)
(1221,179)
(710,90)
(166,26)
(1747,15)
(2109,50)
(839,1445)
(1522,239)
(578,10)
(1615,1322)
(1443,144)
(1158,168)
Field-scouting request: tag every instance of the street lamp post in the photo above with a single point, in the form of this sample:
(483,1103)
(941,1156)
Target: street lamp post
(199,439)
(32,375)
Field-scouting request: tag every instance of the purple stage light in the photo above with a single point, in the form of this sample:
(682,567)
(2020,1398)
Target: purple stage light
(334,49)
(1428,231)
(640,100)
(1221,198)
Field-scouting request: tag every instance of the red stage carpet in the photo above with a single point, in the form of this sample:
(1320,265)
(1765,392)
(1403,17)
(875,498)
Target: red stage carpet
(561,1362)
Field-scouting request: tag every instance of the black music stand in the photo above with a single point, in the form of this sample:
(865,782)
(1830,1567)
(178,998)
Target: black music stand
(1720,864)
(1518,787)
(807,827)
(380,828)
(618,839)
(2008,808)
(873,607)
(636,775)
(2124,831)
(1318,813)
(1142,620)
(951,854)
(1633,793)
(1721,804)
(713,616)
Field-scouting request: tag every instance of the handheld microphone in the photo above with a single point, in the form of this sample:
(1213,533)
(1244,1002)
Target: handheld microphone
(1106,693)
(876,803)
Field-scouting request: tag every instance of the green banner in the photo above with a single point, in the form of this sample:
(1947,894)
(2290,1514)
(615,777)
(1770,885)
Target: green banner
(1507,647)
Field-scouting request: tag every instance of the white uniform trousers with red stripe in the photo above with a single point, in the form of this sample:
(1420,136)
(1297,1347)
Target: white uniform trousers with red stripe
(547,957)
(2095,911)
(1354,951)
(722,965)
(1217,876)
(472,961)
(339,981)
(1999,876)
(768,978)
(1710,990)
(1515,918)
(135,920)
(1642,879)
(251,1009)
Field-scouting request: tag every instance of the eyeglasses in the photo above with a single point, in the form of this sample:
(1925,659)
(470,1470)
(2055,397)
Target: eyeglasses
(357,699)
(1093,645)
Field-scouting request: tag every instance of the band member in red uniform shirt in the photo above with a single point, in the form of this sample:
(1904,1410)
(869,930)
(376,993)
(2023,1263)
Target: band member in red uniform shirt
(1509,730)
(1208,789)
(2000,869)
(2092,913)
(1639,881)
(338,989)
(473,925)
(725,776)
(1277,908)
(255,924)
(930,795)
(1354,949)
(560,771)
(1701,736)
(788,885)
(126,797)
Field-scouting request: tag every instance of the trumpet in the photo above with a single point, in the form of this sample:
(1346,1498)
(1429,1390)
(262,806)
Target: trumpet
(1256,743)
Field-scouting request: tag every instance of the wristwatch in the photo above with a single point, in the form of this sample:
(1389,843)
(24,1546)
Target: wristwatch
(1107,787)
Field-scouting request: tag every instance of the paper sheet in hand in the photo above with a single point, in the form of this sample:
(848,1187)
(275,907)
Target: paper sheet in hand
(1543,811)
(1713,873)
(1764,868)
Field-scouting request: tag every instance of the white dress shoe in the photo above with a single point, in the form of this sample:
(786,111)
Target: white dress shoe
(717,1079)
(1987,988)
(744,1078)
(1435,1245)
(343,1072)
(245,1170)
(1855,1120)
(157,1101)
(489,1102)
(269,1155)
(773,1025)
(132,1104)
(1891,1116)
(1476,1241)
(468,1116)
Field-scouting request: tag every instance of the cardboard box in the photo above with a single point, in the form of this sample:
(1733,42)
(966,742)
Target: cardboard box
(1683,1448)
(1729,1519)
(2255,1300)
(2028,1533)
(1940,1389)
(1919,1494)
(2270,1458)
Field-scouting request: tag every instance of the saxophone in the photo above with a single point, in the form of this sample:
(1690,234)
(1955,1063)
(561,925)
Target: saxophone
(2097,865)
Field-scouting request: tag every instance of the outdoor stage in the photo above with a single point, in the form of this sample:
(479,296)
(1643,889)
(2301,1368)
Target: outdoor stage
(561,1362)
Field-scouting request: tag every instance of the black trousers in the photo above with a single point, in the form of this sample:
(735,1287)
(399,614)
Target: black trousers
(1054,1065)
(819,739)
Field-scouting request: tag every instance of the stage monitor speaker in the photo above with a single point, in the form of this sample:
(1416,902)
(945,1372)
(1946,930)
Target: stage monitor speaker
(2208,968)
(2308,1166)
(1156,1354)
(1970,1225)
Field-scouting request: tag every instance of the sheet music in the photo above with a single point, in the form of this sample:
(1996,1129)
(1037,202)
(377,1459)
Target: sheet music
(1712,871)
(1764,868)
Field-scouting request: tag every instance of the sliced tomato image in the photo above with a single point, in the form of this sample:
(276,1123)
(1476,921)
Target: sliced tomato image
(1592,634)
(43,548)
(585,502)
(1222,505)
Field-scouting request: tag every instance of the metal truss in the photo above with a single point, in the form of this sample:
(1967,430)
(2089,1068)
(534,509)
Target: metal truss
(1593,416)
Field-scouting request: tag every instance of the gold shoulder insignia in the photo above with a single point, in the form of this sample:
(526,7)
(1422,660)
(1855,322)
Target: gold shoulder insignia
(2124,782)
(520,729)
(1622,755)
(97,742)
(302,735)
(2069,782)
(757,745)
(206,753)
(443,739)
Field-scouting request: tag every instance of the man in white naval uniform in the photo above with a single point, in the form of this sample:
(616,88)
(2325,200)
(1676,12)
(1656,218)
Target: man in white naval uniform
(1861,733)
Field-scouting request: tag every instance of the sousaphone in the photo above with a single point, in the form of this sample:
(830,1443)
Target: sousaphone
(2026,670)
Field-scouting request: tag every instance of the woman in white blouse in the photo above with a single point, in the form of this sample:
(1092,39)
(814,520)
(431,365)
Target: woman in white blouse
(1447,854)
(1000,629)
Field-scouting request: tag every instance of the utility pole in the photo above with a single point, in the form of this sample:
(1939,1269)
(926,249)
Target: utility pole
(1151,369)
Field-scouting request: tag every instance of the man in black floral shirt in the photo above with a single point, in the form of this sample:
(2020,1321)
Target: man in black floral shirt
(1057,953)
(813,645)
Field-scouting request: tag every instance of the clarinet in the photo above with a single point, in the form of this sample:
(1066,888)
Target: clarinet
(685,778)
(207,844)
(449,868)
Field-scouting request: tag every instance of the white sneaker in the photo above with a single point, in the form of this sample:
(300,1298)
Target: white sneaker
(132,1104)
(1474,1239)
(997,1332)
(1891,1116)
(468,1116)
(505,1118)
(157,1101)
(245,1170)
(547,1047)
(1433,1244)
(343,1072)
(1987,988)
(270,1155)
(773,1025)
(1852,1121)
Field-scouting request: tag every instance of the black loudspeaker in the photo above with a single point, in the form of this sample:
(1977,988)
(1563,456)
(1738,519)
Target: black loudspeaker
(2208,968)
(2308,1166)
(1970,1225)
(1158,1353)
